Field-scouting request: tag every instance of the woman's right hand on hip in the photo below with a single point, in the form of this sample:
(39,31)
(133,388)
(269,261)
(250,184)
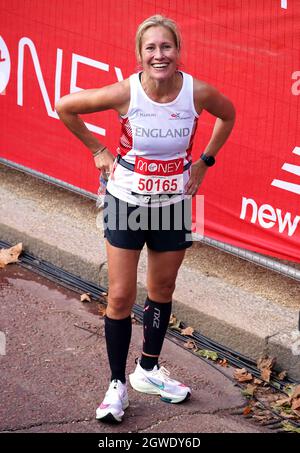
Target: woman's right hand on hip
(104,161)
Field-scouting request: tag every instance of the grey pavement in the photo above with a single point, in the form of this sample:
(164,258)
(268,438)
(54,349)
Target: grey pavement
(66,229)
(55,370)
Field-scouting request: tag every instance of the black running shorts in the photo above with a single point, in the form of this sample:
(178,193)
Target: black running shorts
(163,229)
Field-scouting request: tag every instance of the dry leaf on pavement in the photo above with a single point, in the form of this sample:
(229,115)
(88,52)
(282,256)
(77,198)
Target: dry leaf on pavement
(296,392)
(247,410)
(173,320)
(287,426)
(283,402)
(207,354)
(249,390)
(289,389)
(265,374)
(174,323)
(257,381)
(265,365)
(102,310)
(223,363)
(296,399)
(85,298)
(187,331)
(190,345)
(242,375)
(282,375)
(10,255)
(133,320)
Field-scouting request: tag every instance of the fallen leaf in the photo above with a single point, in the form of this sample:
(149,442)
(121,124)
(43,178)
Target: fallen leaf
(173,320)
(85,298)
(207,354)
(266,362)
(271,397)
(174,323)
(187,331)
(297,412)
(265,365)
(289,389)
(223,363)
(287,426)
(295,398)
(102,310)
(176,326)
(265,374)
(257,381)
(242,375)
(286,413)
(190,345)
(283,402)
(247,410)
(249,390)
(261,418)
(296,404)
(133,320)
(282,375)
(10,255)
(296,392)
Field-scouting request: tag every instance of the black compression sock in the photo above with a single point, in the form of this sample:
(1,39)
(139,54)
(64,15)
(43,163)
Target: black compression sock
(118,336)
(156,321)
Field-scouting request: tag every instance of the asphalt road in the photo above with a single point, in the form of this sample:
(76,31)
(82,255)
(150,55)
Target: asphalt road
(54,370)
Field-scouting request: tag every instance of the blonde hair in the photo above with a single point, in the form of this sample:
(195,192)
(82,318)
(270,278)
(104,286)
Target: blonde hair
(155,21)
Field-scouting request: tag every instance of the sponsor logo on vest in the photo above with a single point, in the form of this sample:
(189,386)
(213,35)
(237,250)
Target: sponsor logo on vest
(161,168)
(152,167)
(178,116)
(162,133)
(147,115)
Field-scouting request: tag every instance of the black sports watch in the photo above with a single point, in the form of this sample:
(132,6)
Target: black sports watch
(208,160)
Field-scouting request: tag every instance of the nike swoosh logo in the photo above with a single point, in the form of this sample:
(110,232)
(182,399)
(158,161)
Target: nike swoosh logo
(104,406)
(160,386)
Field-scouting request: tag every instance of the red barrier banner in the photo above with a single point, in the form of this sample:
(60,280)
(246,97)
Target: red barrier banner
(248,49)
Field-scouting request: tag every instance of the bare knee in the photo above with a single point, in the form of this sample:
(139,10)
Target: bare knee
(120,302)
(161,292)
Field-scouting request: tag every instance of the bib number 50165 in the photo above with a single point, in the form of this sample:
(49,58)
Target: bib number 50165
(157,185)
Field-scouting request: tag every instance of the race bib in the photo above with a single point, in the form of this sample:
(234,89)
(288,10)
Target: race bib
(153,177)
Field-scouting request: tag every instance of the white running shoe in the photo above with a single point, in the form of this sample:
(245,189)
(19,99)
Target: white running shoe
(111,410)
(158,382)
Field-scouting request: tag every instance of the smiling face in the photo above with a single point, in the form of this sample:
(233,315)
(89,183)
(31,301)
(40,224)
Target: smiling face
(159,54)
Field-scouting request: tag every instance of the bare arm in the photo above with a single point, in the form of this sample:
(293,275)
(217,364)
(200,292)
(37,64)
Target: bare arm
(69,107)
(211,100)
(208,98)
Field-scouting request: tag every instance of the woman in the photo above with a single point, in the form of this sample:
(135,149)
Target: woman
(158,109)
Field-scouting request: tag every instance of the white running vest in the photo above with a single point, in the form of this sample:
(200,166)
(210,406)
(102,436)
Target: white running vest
(157,138)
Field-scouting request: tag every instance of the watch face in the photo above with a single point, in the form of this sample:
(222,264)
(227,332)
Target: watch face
(209,160)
